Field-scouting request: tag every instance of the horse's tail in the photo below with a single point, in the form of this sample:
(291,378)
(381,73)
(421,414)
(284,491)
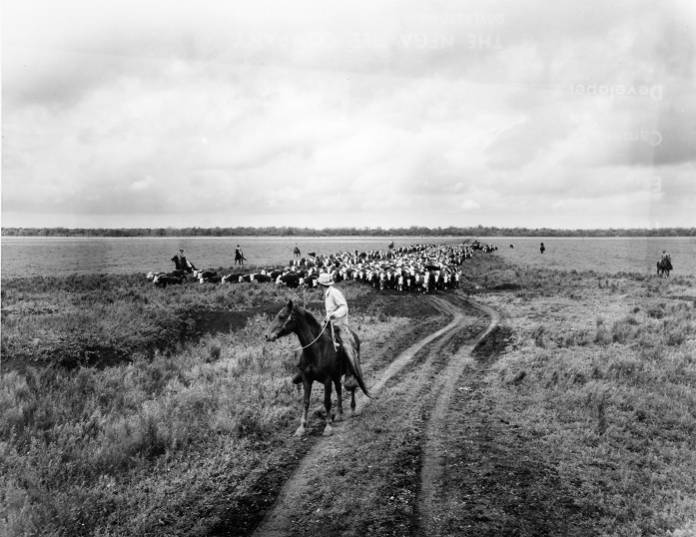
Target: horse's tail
(358,374)
(360,380)
(356,371)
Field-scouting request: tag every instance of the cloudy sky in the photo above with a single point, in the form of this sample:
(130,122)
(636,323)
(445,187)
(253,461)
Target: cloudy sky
(323,114)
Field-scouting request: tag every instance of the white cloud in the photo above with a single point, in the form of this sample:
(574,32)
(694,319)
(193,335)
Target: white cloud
(376,114)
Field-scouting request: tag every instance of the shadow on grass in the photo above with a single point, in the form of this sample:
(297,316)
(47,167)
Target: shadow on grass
(494,344)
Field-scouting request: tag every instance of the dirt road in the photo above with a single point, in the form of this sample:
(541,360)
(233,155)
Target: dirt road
(381,472)
(433,507)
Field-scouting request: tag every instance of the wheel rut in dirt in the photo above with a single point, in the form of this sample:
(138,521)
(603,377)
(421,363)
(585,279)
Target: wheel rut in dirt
(433,460)
(288,513)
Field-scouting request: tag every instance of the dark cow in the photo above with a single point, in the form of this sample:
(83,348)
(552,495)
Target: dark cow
(153,274)
(311,280)
(172,278)
(207,276)
(291,279)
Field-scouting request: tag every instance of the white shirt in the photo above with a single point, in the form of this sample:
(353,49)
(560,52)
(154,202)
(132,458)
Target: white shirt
(336,305)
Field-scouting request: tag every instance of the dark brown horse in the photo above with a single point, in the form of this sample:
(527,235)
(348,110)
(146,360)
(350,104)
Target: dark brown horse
(319,359)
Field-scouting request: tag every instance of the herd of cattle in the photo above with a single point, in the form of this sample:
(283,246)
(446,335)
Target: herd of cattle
(416,268)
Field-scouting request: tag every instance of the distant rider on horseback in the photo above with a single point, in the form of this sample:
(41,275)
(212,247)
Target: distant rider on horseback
(181,263)
(664,265)
(239,256)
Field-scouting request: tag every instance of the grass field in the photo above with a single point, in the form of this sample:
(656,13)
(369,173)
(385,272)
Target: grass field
(142,441)
(600,382)
(130,410)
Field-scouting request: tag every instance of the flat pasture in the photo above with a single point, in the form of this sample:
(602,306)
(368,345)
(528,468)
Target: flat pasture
(131,410)
(65,256)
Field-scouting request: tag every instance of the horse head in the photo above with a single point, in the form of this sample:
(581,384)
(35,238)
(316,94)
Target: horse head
(283,323)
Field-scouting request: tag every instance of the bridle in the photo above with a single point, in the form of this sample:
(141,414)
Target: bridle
(301,348)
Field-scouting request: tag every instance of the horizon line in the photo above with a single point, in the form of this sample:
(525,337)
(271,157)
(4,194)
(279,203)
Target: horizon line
(294,230)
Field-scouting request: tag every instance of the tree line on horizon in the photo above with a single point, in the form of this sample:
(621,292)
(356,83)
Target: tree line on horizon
(274,231)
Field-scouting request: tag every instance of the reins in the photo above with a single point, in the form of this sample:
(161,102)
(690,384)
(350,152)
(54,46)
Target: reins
(315,339)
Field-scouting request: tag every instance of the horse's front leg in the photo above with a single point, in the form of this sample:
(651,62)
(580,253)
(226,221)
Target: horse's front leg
(339,398)
(307,384)
(327,406)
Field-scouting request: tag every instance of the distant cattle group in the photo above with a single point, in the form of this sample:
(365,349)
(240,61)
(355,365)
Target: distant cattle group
(421,268)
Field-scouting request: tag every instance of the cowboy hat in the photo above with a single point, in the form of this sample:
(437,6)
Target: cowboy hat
(325,279)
